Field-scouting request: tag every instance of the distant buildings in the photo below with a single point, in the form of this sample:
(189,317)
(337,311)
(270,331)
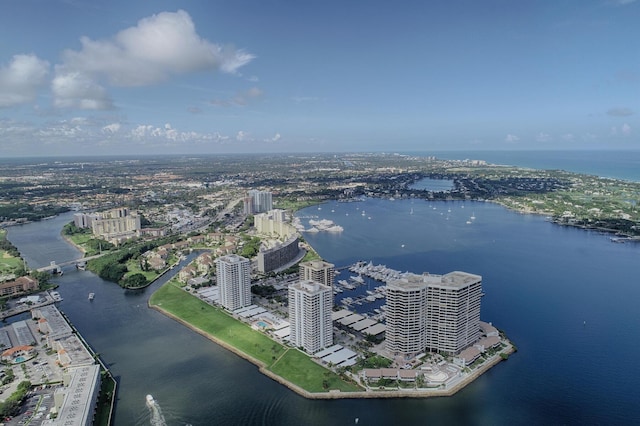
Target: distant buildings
(258,202)
(310,305)
(273,223)
(319,271)
(433,312)
(234,281)
(115,225)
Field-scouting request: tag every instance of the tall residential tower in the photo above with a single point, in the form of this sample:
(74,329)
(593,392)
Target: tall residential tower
(310,305)
(234,281)
(438,313)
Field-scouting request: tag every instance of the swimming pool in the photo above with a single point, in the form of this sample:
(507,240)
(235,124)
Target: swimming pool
(19,359)
(262,324)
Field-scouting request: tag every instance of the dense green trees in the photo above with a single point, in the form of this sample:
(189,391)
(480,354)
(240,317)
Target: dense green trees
(11,405)
(135,281)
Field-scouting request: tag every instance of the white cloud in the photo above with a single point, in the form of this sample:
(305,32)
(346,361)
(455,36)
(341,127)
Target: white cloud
(111,128)
(242,136)
(157,48)
(76,90)
(20,80)
(511,138)
(275,138)
(543,137)
(568,137)
(625,129)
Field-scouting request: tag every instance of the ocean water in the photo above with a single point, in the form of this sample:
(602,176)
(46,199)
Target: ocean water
(612,164)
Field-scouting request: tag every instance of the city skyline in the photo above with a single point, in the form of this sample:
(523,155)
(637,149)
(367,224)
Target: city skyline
(84,78)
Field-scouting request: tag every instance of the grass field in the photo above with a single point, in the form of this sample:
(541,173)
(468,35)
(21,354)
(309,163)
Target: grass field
(8,263)
(134,268)
(290,364)
(217,323)
(296,367)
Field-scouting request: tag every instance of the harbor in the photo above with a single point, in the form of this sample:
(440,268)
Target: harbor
(361,287)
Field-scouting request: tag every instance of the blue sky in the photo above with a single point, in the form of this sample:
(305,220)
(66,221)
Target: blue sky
(190,77)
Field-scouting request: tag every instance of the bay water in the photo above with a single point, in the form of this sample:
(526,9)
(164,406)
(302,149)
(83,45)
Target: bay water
(566,297)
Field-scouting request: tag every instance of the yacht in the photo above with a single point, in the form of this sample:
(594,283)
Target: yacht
(91,296)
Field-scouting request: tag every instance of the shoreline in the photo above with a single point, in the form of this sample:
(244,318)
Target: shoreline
(336,394)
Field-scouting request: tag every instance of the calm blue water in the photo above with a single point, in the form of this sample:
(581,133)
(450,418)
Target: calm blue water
(613,164)
(435,185)
(567,298)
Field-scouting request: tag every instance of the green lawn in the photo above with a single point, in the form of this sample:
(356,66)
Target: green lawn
(291,364)
(216,322)
(134,268)
(8,263)
(296,367)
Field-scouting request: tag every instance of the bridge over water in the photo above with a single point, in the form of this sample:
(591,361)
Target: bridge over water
(57,266)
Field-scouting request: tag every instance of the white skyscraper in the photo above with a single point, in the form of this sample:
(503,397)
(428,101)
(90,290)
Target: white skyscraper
(433,312)
(406,316)
(234,281)
(453,312)
(310,305)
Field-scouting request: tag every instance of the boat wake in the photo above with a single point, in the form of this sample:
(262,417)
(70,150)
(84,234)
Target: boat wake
(157,419)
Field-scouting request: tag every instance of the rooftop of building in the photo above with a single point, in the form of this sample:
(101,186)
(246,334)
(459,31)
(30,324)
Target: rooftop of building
(310,287)
(455,279)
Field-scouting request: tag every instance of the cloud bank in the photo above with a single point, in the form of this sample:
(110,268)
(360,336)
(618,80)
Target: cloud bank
(157,48)
(21,79)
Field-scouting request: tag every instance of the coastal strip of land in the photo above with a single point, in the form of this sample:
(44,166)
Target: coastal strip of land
(288,366)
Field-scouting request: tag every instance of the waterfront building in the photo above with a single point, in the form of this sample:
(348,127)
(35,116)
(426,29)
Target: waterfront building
(453,312)
(19,285)
(439,313)
(234,281)
(273,222)
(261,201)
(319,271)
(115,225)
(75,401)
(278,256)
(84,220)
(310,305)
(406,316)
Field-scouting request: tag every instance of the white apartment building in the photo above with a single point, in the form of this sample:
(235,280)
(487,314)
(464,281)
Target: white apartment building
(273,223)
(234,281)
(406,316)
(439,313)
(310,305)
(453,312)
(319,271)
